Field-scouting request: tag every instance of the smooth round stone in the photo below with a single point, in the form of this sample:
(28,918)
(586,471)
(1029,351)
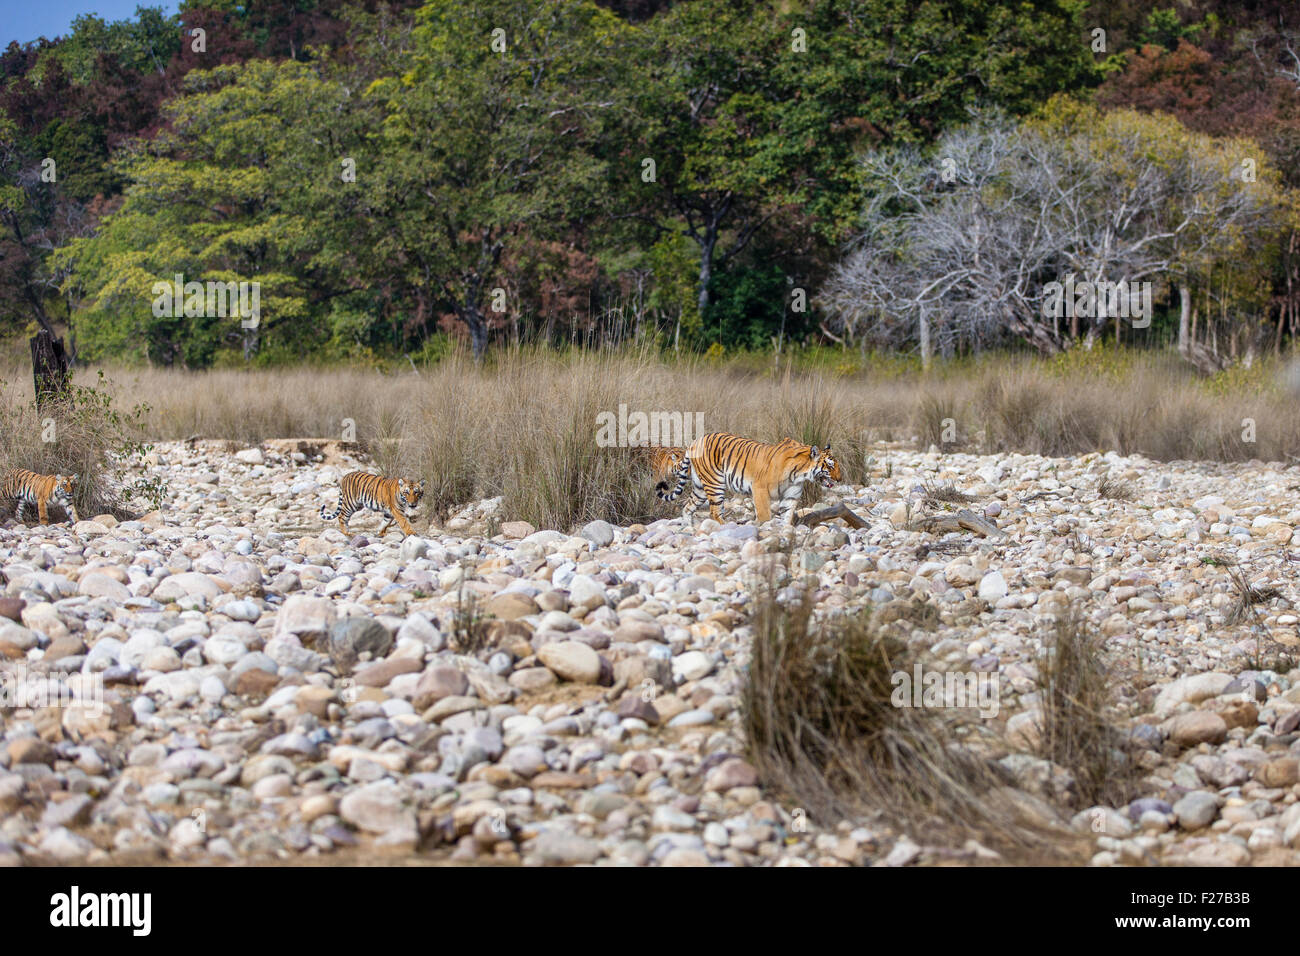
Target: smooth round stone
(396,707)
(242,610)
(161,794)
(521,724)
(692,718)
(212,689)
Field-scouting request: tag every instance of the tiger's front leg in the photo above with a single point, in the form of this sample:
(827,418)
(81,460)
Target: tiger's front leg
(401,523)
(43,510)
(762,503)
(790,503)
(72,512)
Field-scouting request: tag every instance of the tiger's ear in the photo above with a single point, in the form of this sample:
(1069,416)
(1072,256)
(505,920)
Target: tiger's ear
(421,485)
(815,452)
(827,449)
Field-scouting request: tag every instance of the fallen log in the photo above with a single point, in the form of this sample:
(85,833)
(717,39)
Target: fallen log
(963,520)
(814,518)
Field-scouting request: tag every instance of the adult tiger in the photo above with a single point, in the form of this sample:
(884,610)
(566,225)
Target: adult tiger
(29,488)
(395,498)
(665,461)
(717,463)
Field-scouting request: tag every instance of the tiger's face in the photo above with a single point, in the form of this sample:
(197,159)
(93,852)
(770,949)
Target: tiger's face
(65,485)
(826,470)
(409,494)
(665,461)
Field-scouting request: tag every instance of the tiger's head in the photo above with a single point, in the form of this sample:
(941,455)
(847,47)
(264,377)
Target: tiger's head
(65,485)
(826,469)
(665,461)
(409,494)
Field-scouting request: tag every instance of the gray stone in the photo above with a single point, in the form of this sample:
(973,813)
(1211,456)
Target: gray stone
(1196,810)
(351,637)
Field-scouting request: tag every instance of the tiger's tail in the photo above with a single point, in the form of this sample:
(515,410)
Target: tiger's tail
(683,476)
(331,515)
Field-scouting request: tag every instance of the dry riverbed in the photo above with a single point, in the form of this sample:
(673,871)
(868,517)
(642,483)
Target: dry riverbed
(275,691)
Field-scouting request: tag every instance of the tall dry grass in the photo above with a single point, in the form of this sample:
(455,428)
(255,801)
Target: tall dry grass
(84,434)
(1077,687)
(524,424)
(824,728)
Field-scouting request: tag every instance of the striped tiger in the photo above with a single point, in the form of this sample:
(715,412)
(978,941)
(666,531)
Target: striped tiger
(717,463)
(395,498)
(29,488)
(665,461)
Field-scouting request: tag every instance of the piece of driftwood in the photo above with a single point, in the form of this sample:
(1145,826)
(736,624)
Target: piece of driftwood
(1041,494)
(963,520)
(814,518)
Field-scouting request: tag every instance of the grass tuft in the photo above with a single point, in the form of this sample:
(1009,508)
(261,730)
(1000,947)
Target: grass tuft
(1076,690)
(822,729)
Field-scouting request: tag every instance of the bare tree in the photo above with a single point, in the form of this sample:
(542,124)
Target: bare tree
(959,245)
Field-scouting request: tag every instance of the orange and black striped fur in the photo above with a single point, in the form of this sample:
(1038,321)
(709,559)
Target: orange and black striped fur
(718,463)
(395,498)
(665,461)
(29,488)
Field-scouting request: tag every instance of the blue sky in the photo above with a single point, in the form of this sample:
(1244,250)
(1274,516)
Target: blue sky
(26,20)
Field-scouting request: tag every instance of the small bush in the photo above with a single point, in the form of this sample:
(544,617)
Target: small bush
(80,433)
(1115,488)
(822,729)
(1076,688)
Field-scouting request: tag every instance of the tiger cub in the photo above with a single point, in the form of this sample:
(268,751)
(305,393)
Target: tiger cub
(29,488)
(717,463)
(395,498)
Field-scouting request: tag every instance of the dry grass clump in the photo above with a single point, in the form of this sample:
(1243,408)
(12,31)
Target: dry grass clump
(947,493)
(1115,488)
(81,433)
(469,622)
(1247,596)
(823,730)
(1076,688)
(936,421)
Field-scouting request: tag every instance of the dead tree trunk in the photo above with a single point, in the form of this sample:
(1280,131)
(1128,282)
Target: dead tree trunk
(49,367)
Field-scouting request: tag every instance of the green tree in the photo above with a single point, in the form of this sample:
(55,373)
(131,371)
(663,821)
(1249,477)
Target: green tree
(488,134)
(242,188)
(753,113)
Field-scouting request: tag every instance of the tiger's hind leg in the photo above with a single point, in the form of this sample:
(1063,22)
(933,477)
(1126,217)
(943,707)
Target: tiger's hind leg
(694,503)
(22,511)
(345,514)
